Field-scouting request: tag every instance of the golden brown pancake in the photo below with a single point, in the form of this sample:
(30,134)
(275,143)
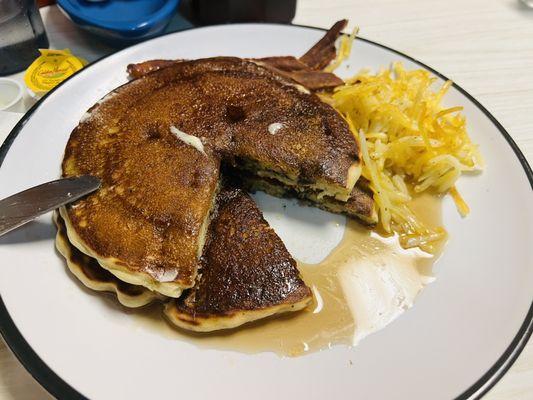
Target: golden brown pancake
(246,273)
(231,103)
(92,275)
(147,223)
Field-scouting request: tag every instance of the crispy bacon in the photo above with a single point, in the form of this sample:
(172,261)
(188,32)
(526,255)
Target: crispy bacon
(316,80)
(283,63)
(323,52)
(306,70)
(287,66)
(302,74)
(140,69)
(293,68)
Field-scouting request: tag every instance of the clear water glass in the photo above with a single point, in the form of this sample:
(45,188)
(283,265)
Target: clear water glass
(21,35)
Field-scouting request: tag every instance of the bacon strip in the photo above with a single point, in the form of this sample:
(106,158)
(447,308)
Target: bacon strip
(287,66)
(283,63)
(301,73)
(296,70)
(143,68)
(323,52)
(316,80)
(306,70)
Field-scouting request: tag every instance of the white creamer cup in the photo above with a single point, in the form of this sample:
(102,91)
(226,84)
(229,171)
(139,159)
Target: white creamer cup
(11,95)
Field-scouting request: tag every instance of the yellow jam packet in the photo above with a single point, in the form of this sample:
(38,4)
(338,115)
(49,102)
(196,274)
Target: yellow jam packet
(51,68)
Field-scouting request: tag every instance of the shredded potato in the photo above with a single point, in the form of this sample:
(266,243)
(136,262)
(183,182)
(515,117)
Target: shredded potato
(345,48)
(409,142)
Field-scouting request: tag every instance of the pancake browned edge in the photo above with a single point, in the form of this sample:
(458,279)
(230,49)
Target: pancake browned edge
(93,276)
(246,274)
(157,143)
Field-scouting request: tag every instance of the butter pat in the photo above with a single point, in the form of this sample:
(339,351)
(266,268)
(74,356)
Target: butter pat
(188,139)
(275,127)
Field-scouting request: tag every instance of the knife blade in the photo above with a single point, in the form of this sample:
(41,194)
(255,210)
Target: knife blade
(23,207)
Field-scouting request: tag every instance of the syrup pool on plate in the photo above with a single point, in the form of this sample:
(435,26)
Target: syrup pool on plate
(362,285)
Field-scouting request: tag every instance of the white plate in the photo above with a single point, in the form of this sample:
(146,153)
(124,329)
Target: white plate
(463,333)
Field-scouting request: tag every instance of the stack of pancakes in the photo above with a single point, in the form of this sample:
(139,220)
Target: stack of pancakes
(174,150)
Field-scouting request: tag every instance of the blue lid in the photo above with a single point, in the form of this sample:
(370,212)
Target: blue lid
(126,16)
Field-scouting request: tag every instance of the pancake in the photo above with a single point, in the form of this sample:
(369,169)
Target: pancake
(360,204)
(92,275)
(255,117)
(157,144)
(246,273)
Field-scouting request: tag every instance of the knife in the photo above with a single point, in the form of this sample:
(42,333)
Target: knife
(25,206)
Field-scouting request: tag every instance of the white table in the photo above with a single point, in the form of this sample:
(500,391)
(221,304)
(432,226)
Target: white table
(485,45)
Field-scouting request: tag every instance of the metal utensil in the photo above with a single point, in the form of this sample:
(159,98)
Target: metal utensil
(25,206)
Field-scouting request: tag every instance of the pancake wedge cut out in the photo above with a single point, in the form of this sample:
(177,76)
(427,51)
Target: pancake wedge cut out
(148,222)
(246,273)
(92,275)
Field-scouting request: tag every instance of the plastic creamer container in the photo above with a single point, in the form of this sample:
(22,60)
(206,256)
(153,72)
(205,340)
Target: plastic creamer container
(50,69)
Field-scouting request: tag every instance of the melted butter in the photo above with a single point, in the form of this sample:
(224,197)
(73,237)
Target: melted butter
(188,139)
(364,284)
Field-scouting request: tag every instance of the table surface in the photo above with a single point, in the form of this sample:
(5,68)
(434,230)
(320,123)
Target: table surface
(486,46)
